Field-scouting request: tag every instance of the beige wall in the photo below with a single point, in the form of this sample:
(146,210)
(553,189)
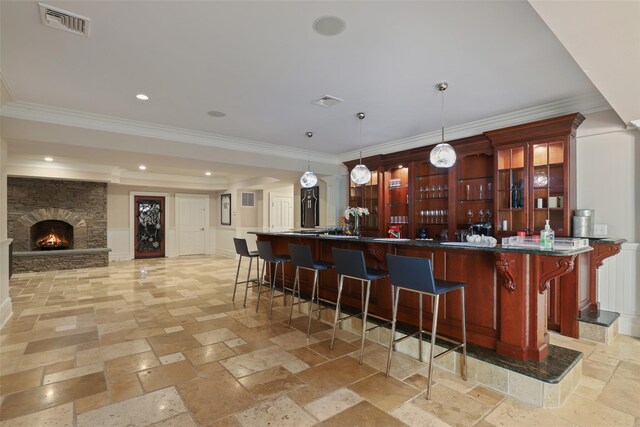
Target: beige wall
(118,210)
(607,173)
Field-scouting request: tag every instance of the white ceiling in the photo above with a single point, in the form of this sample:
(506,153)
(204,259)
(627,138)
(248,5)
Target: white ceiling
(262,64)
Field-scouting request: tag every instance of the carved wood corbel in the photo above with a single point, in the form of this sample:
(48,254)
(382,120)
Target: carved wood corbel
(552,267)
(377,252)
(505,263)
(605,251)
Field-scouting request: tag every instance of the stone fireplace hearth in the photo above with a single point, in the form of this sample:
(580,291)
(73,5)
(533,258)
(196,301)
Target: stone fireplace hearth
(74,212)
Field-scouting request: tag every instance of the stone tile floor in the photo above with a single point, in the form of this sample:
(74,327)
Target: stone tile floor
(159,342)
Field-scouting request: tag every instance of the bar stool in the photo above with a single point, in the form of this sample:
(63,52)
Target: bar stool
(302,259)
(243,251)
(266,254)
(350,263)
(416,275)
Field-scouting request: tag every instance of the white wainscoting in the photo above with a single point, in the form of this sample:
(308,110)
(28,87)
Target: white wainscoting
(171,246)
(211,242)
(619,287)
(118,241)
(224,239)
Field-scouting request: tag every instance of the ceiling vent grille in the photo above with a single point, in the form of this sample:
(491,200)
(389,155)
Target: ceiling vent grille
(64,20)
(328,101)
(248,200)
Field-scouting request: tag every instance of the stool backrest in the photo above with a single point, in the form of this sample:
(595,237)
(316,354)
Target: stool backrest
(265,251)
(241,247)
(411,273)
(350,263)
(301,255)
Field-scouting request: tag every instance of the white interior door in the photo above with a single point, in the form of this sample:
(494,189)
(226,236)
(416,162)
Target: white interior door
(192,223)
(281,212)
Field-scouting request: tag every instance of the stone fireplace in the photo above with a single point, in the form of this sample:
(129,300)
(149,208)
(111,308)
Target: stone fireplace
(68,216)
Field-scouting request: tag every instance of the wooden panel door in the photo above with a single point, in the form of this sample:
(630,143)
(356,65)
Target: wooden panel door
(149,227)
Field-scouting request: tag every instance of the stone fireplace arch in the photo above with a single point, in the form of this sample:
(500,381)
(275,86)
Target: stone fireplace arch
(37,215)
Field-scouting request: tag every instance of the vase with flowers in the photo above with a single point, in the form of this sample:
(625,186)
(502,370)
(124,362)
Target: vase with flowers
(356,212)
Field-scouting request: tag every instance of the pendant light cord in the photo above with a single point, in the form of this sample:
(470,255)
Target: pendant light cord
(442,115)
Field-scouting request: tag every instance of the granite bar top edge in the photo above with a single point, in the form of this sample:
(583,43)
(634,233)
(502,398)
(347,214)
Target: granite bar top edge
(61,252)
(428,243)
(608,240)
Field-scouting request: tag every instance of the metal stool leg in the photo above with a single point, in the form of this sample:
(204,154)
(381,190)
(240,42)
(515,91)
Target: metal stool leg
(233,298)
(313,292)
(433,344)
(246,288)
(463,364)
(296,282)
(337,316)
(260,276)
(273,286)
(420,313)
(393,326)
(364,319)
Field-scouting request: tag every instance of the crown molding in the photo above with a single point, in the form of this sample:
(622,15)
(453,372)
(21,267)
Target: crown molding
(587,104)
(68,117)
(6,95)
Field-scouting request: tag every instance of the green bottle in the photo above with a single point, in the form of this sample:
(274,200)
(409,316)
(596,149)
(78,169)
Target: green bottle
(547,237)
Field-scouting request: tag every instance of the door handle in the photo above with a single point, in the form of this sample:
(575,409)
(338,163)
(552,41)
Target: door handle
(202,229)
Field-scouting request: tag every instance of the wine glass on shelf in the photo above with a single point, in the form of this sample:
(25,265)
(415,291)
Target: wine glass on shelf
(469,215)
(445,216)
(439,190)
(433,191)
(445,189)
(481,214)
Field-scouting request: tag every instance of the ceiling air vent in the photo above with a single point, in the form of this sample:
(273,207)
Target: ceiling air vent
(248,200)
(63,20)
(328,101)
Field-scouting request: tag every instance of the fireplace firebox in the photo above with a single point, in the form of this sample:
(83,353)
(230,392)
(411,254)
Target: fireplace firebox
(51,235)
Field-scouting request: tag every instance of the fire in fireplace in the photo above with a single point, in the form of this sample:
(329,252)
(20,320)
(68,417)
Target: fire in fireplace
(51,235)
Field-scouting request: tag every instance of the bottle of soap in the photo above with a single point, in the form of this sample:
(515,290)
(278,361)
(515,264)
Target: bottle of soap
(547,237)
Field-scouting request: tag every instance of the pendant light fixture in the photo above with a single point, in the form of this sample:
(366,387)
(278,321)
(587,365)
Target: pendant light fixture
(360,174)
(308,179)
(443,155)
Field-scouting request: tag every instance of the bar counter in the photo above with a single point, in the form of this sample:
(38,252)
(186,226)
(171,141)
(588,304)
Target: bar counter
(506,291)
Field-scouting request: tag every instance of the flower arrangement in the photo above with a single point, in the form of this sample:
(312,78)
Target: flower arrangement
(355,211)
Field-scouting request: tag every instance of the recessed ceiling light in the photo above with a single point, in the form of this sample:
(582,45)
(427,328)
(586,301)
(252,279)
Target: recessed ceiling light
(142,167)
(207,173)
(142,97)
(48,159)
(329,25)
(216,113)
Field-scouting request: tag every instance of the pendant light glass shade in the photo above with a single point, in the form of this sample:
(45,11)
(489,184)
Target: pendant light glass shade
(360,174)
(308,179)
(442,155)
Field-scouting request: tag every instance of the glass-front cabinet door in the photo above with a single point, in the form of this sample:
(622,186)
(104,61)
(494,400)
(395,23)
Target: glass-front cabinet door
(431,195)
(548,186)
(511,190)
(367,196)
(396,201)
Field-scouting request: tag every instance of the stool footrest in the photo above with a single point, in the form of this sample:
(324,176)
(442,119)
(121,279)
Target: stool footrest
(458,344)
(378,326)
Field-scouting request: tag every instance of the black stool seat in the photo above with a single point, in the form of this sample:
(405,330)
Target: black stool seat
(302,259)
(266,254)
(416,275)
(351,263)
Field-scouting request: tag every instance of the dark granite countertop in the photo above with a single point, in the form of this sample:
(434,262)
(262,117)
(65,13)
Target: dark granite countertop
(426,243)
(607,240)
